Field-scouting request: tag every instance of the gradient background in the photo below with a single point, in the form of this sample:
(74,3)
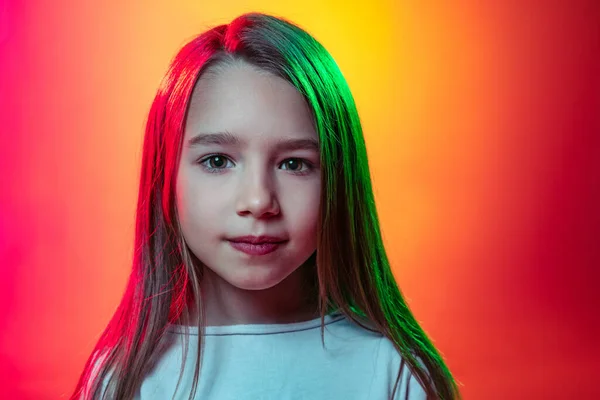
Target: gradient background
(482,125)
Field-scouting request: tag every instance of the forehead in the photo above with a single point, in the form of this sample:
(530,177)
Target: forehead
(254,104)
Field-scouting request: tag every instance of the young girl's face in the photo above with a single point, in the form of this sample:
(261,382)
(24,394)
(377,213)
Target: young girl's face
(249,166)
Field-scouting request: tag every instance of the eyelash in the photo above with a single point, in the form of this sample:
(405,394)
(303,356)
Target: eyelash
(212,170)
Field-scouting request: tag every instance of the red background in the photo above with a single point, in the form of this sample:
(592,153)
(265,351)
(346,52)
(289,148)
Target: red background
(482,125)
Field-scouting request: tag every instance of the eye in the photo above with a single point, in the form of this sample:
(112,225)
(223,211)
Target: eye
(215,163)
(294,165)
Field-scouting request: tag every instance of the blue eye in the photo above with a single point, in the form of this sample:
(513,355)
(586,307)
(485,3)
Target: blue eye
(217,163)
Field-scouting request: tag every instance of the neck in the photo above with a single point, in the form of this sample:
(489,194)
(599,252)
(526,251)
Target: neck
(226,304)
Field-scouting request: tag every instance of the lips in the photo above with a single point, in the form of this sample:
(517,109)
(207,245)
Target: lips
(258,239)
(255,249)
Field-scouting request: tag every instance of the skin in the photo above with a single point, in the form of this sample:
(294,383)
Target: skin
(256,190)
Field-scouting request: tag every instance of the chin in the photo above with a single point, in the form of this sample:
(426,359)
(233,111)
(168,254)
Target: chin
(256,281)
(256,284)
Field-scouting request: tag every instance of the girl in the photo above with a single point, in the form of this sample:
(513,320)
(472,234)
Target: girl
(256,226)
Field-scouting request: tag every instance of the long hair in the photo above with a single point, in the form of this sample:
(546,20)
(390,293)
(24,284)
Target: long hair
(353,274)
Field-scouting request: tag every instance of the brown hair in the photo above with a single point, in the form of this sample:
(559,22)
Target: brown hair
(352,275)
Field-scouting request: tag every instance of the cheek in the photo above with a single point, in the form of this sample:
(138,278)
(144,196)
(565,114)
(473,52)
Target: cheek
(303,216)
(198,207)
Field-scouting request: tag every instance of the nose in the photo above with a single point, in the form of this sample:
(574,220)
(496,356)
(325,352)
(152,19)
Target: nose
(257,196)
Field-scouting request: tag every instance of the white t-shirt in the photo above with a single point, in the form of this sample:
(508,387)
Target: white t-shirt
(283,362)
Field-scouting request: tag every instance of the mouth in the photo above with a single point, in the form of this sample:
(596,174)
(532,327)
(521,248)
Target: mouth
(256,249)
(262,239)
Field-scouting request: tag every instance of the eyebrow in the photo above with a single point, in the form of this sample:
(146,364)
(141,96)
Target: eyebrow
(229,139)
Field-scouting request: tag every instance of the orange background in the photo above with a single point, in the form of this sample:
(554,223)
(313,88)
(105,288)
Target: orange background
(482,125)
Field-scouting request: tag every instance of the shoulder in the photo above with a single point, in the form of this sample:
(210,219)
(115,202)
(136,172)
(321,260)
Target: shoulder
(387,361)
(409,387)
(98,358)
